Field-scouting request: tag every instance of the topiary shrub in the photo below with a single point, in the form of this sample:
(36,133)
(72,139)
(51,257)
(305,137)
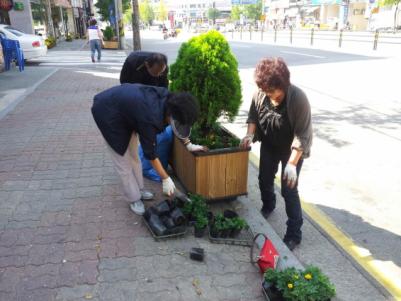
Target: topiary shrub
(50,42)
(207,68)
(108,33)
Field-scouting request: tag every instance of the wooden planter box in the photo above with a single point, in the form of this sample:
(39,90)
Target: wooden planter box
(110,44)
(217,174)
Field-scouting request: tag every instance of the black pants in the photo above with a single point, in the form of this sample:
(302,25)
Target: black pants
(268,166)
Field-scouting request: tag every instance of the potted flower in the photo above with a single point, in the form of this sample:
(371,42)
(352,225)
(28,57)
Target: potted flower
(238,224)
(207,68)
(200,226)
(109,38)
(291,284)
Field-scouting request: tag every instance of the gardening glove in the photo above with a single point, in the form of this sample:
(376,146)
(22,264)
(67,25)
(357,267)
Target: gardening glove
(195,147)
(290,174)
(246,141)
(168,186)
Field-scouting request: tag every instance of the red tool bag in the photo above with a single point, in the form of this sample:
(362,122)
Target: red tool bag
(268,256)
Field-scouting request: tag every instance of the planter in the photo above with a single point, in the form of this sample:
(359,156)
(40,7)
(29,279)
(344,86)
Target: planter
(110,45)
(234,233)
(217,174)
(271,292)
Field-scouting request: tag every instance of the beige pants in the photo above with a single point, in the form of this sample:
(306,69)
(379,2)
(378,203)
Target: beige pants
(129,168)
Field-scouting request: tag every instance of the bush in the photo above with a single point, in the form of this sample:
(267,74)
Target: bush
(69,37)
(108,33)
(207,68)
(297,285)
(50,42)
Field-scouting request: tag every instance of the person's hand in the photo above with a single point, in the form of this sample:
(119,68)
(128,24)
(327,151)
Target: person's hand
(246,141)
(290,174)
(168,186)
(196,148)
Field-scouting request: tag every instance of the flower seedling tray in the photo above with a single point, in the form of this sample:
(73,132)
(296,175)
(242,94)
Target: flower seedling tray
(168,236)
(271,295)
(244,238)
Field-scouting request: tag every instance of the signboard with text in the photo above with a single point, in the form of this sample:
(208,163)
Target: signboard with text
(243,2)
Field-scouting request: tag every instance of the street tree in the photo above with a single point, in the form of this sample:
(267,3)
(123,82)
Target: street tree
(162,12)
(103,7)
(395,3)
(136,37)
(236,12)
(254,11)
(146,12)
(213,14)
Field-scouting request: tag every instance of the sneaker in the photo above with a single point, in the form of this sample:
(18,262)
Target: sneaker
(137,207)
(93,60)
(146,195)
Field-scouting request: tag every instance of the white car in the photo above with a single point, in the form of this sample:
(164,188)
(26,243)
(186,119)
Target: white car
(32,46)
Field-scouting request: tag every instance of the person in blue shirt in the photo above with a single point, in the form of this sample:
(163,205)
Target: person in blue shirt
(133,113)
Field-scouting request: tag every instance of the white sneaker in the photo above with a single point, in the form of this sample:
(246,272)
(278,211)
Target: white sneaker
(137,207)
(146,195)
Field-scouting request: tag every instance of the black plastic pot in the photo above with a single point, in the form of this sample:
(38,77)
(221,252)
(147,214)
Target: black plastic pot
(271,292)
(214,232)
(176,230)
(224,233)
(210,217)
(199,232)
(148,212)
(230,214)
(177,216)
(235,233)
(163,208)
(157,225)
(167,221)
(197,254)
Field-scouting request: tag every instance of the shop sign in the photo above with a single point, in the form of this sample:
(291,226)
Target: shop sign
(18,6)
(6,5)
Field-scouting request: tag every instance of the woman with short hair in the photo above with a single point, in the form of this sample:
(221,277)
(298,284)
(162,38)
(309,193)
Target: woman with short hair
(280,117)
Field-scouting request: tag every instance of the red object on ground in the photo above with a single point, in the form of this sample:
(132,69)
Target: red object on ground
(268,256)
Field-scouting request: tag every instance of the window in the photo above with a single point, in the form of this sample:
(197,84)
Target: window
(14,31)
(192,6)
(358,12)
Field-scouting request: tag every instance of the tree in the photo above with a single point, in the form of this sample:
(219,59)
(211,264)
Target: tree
(127,17)
(207,68)
(236,12)
(162,11)
(103,8)
(391,3)
(213,14)
(146,12)
(254,11)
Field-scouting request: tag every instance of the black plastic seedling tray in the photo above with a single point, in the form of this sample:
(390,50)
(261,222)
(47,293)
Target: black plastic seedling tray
(244,238)
(168,236)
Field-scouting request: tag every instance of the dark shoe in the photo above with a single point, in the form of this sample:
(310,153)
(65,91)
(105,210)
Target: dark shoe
(291,243)
(93,60)
(265,212)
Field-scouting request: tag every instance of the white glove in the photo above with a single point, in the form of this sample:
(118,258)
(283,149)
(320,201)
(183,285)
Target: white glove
(246,141)
(168,186)
(290,174)
(194,147)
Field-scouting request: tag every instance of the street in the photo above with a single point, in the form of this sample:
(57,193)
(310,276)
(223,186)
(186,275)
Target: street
(351,176)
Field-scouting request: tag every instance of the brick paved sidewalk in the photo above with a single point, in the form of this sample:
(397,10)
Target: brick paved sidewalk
(66,232)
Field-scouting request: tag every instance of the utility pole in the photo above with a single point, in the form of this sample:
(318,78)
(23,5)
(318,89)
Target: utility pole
(136,37)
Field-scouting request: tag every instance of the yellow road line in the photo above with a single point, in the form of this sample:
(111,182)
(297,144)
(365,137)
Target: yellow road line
(366,261)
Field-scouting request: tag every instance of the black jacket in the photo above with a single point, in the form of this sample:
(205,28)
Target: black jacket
(134,71)
(122,110)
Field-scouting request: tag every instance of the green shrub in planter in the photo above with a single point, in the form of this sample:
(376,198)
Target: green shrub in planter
(69,37)
(207,68)
(297,285)
(108,33)
(50,42)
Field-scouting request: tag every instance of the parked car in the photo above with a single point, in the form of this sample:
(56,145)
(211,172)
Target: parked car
(32,45)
